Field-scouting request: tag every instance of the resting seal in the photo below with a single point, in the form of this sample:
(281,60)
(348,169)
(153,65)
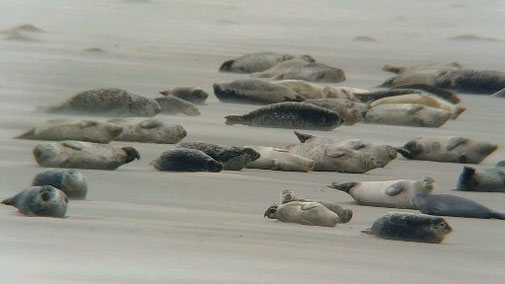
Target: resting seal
(192,95)
(84,155)
(304,213)
(492,179)
(252,91)
(107,102)
(150,131)
(71,182)
(289,115)
(307,90)
(407,115)
(279,159)
(390,193)
(233,158)
(302,70)
(188,160)
(174,105)
(351,112)
(452,205)
(410,227)
(345,215)
(45,201)
(258,62)
(450,149)
(65,129)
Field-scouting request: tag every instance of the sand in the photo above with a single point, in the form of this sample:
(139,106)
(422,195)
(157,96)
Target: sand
(143,226)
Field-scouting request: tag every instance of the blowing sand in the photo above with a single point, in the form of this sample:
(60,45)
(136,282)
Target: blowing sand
(143,226)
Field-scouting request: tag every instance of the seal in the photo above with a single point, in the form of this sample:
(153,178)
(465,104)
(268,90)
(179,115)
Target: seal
(107,102)
(449,149)
(304,213)
(390,193)
(193,95)
(345,215)
(233,158)
(175,105)
(351,112)
(258,62)
(306,90)
(499,94)
(66,129)
(279,159)
(490,179)
(71,182)
(289,115)
(422,99)
(149,130)
(302,70)
(186,160)
(455,206)
(83,155)
(407,115)
(410,227)
(252,92)
(44,201)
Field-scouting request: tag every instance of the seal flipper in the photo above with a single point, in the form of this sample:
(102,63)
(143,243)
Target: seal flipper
(72,145)
(395,189)
(368,232)
(302,136)
(343,186)
(455,142)
(151,123)
(404,152)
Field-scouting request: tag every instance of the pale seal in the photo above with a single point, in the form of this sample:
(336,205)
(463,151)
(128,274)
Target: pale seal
(279,159)
(44,201)
(390,193)
(407,115)
(174,105)
(307,90)
(252,91)
(81,130)
(345,215)
(410,227)
(289,115)
(232,157)
(107,102)
(490,179)
(71,182)
(186,160)
(190,94)
(149,130)
(302,70)
(449,149)
(258,62)
(84,155)
(304,213)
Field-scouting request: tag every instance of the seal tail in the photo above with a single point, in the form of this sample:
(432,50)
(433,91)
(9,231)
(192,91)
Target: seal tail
(233,119)
(459,110)
(465,178)
(404,152)
(367,231)
(226,65)
(302,136)
(498,215)
(27,135)
(343,186)
(9,201)
(439,92)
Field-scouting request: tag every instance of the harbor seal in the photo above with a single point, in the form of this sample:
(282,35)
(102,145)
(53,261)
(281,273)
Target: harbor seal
(345,215)
(66,129)
(407,115)
(190,94)
(422,99)
(258,62)
(174,105)
(289,115)
(83,155)
(279,159)
(186,160)
(107,102)
(71,182)
(307,90)
(302,70)
(252,91)
(449,149)
(455,206)
(304,213)
(491,179)
(410,227)
(44,201)
(149,130)
(232,157)
(390,193)
(351,112)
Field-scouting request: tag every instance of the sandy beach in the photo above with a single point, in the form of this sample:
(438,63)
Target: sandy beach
(139,225)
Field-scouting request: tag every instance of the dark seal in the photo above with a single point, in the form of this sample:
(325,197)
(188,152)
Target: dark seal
(186,160)
(233,158)
(45,201)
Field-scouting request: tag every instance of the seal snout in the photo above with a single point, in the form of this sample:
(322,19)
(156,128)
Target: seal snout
(270,212)
(131,154)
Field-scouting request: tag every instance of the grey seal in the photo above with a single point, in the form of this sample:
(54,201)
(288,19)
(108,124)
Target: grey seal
(252,92)
(149,130)
(232,157)
(449,149)
(190,94)
(174,105)
(455,206)
(304,213)
(279,159)
(44,201)
(410,227)
(84,155)
(490,179)
(187,160)
(345,215)
(66,129)
(289,115)
(107,102)
(302,70)
(71,182)
(407,115)
(258,62)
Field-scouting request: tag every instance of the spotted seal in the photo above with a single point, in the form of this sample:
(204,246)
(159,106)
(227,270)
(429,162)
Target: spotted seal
(306,90)
(252,91)
(407,115)
(71,182)
(302,70)
(149,130)
(44,201)
(187,160)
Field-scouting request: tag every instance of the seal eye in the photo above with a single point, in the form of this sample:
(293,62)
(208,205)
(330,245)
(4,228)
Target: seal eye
(45,196)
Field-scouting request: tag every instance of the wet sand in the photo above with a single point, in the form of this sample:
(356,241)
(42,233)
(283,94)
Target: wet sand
(143,226)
